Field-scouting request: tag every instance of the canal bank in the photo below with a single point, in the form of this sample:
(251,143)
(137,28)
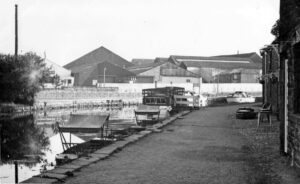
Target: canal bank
(206,146)
(60,173)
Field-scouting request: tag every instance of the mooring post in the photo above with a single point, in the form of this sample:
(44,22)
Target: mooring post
(16,172)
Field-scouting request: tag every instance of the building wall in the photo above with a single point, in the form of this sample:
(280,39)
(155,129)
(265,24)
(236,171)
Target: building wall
(271,79)
(205,88)
(168,72)
(64,75)
(155,72)
(207,74)
(249,78)
(289,39)
(293,104)
(167,79)
(144,79)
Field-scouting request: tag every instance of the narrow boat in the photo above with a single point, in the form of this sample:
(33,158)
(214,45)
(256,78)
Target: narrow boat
(158,103)
(146,115)
(162,97)
(189,100)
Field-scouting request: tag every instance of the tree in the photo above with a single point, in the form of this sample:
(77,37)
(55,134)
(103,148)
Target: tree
(21,136)
(275,29)
(21,78)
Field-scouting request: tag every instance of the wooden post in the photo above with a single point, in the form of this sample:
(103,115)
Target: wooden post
(16,172)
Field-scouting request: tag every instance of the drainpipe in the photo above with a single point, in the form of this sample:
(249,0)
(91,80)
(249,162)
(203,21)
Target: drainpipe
(266,84)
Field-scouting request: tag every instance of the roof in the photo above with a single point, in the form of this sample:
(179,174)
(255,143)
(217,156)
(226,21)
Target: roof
(84,123)
(161,59)
(137,69)
(221,62)
(239,70)
(252,55)
(99,55)
(142,61)
(59,70)
(113,70)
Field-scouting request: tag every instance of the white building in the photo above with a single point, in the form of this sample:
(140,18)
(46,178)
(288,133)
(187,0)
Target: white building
(66,80)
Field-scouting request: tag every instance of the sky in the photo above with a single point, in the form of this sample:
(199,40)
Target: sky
(65,30)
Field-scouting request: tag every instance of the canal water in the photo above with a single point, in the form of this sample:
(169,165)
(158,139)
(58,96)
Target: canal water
(33,140)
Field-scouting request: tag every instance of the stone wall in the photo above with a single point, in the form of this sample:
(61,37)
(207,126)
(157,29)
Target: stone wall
(289,40)
(271,79)
(294,140)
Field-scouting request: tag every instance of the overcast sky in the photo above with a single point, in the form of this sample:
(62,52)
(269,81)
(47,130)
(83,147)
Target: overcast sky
(68,29)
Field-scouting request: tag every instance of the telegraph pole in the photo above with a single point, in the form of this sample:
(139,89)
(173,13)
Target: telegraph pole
(16,31)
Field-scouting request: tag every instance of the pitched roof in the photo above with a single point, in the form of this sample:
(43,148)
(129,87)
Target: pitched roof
(161,59)
(138,61)
(222,62)
(252,55)
(59,70)
(98,56)
(137,69)
(113,70)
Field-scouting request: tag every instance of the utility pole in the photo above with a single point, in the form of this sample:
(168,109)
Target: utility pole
(16,31)
(104,70)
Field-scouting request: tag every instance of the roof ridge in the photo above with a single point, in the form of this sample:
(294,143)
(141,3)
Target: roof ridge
(99,49)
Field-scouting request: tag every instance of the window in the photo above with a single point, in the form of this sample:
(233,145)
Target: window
(235,76)
(188,80)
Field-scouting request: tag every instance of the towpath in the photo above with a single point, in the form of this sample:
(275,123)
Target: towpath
(203,147)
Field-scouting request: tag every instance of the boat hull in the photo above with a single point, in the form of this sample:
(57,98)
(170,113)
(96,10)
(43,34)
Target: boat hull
(240,100)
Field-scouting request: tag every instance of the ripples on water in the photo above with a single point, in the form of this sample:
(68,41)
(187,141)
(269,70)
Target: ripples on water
(34,141)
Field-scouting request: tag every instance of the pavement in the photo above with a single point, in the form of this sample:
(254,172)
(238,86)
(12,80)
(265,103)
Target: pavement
(201,147)
(205,146)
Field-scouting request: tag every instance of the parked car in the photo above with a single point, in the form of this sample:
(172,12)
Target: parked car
(240,97)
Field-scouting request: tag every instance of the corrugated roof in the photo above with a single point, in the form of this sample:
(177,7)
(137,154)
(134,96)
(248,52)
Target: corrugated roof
(222,62)
(252,55)
(142,68)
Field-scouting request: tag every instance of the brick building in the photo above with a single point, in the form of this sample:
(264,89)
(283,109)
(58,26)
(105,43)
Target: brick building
(281,77)
(270,77)
(289,39)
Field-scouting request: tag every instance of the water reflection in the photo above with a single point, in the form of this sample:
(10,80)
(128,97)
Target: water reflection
(35,136)
(23,141)
(21,138)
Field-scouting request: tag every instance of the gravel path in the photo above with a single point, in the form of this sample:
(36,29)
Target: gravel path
(200,148)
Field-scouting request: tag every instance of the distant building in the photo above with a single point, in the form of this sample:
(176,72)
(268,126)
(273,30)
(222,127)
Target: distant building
(164,71)
(66,80)
(101,66)
(240,68)
(238,76)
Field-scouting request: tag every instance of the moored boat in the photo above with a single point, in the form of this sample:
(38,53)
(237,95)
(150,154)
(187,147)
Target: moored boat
(240,97)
